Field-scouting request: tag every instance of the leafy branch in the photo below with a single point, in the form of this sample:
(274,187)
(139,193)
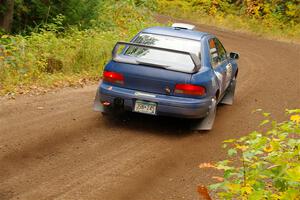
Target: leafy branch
(269,166)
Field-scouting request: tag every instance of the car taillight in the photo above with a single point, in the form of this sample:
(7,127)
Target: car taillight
(189,89)
(113,77)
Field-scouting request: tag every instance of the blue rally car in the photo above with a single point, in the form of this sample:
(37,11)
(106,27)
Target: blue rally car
(172,71)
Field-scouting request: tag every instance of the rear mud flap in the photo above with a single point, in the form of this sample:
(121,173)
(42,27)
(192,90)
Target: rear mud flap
(206,123)
(97,104)
(229,96)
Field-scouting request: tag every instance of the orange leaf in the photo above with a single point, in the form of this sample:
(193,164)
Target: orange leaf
(218,178)
(206,165)
(203,192)
(268,149)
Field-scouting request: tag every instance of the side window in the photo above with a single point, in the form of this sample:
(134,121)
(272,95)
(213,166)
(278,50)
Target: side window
(221,50)
(214,56)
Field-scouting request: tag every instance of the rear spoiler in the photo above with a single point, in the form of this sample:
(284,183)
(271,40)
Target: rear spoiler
(194,57)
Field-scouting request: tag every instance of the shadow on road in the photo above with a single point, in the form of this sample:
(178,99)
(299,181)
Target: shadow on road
(155,125)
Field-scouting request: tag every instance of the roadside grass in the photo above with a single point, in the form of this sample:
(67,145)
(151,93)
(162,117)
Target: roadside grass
(47,59)
(231,19)
(51,58)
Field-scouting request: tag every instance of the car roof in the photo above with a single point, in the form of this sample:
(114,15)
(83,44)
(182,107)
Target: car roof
(171,31)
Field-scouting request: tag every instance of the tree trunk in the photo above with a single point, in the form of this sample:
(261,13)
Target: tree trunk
(6,18)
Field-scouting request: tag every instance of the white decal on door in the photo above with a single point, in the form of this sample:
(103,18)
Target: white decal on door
(228,74)
(220,79)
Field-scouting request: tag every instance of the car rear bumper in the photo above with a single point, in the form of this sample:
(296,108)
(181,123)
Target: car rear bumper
(166,105)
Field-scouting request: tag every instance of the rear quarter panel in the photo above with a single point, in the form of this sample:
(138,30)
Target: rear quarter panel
(206,76)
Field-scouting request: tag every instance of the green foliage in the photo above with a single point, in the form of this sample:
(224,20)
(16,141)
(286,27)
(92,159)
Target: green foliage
(279,19)
(263,164)
(285,11)
(2,8)
(54,53)
(83,13)
(150,4)
(31,13)
(119,15)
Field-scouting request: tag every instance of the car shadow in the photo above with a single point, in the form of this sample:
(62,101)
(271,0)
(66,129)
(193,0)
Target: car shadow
(157,125)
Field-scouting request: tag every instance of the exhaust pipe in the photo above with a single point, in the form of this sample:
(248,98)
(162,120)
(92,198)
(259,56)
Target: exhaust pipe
(119,102)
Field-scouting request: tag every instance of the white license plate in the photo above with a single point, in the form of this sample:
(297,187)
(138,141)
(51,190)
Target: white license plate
(145,107)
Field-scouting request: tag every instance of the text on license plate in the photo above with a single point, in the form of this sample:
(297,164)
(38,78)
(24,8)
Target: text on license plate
(145,107)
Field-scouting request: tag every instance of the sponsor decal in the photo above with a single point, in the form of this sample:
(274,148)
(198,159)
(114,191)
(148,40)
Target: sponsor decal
(213,50)
(229,70)
(228,74)
(215,55)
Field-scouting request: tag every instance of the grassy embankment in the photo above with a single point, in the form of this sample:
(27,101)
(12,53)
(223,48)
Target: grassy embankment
(268,18)
(49,58)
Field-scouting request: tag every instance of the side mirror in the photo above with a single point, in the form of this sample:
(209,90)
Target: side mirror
(233,55)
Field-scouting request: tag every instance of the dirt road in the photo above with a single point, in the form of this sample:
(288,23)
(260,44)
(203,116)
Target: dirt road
(55,147)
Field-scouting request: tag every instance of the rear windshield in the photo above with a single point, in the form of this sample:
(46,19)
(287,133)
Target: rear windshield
(174,61)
